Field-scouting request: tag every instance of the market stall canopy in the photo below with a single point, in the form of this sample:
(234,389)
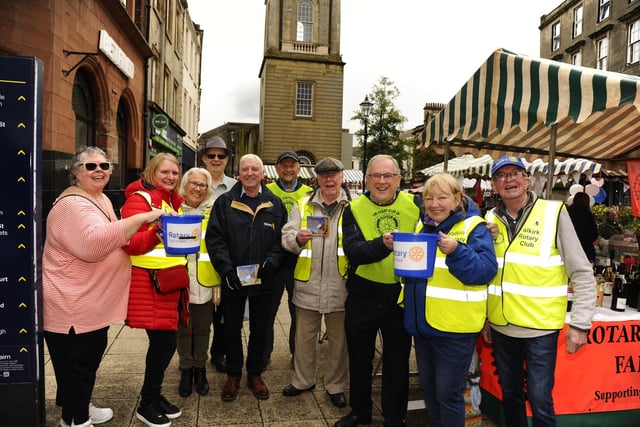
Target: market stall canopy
(520,104)
(352,175)
(466,166)
(305,172)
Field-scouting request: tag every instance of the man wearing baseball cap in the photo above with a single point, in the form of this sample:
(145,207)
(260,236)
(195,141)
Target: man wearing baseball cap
(527,299)
(289,189)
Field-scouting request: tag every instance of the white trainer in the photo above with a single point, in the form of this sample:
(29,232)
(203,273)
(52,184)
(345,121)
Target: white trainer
(99,415)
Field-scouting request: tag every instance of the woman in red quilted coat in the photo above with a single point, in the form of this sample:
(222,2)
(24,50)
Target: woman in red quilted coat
(156,313)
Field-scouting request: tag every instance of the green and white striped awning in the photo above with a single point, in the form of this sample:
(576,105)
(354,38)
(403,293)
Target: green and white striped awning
(519,104)
(464,166)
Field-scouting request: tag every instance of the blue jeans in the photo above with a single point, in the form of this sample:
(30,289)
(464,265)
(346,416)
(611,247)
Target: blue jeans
(533,381)
(443,366)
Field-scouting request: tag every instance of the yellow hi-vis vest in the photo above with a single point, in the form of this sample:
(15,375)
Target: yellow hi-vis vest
(156,258)
(302,271)
(207,275)
(530,288)
(402,215)
(450,305)
(289,197)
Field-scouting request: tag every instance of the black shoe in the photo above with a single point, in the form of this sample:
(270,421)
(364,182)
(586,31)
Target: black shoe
(200,378)
(338,399)
(352,420)
(220,363)
(186,382)
(290,390)
(168,408)
(152,416)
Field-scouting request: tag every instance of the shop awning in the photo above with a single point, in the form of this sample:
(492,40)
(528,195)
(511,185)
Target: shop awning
(520,104)
(466,165)
(305,172)
(352,175)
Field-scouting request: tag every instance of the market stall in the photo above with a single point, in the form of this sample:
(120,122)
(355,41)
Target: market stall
(597,386)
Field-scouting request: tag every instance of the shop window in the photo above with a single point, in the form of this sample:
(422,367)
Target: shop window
(634,42)
(83,102)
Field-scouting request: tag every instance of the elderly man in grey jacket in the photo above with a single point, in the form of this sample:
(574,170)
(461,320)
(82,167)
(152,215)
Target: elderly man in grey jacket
(314,233)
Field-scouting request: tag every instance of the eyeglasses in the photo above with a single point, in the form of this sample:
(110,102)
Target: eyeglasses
(198,186)
(105,166)
(502,176)
(380,176)
(213,156)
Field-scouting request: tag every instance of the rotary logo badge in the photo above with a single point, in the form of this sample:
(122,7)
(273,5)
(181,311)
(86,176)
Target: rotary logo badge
(416,254)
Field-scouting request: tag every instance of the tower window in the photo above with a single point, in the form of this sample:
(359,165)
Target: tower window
(304,99)
(304,27)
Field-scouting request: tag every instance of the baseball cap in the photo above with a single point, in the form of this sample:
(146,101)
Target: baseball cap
(215,142)
(506,161)
(328,165)
(288,154)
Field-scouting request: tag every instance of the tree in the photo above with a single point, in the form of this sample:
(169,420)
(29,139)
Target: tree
(384,123)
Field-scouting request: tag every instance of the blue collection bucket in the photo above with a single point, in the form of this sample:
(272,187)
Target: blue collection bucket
(414,254)
(181,233)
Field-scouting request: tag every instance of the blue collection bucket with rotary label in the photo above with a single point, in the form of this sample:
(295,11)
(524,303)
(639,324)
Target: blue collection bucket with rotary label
(181,233)
(414,254)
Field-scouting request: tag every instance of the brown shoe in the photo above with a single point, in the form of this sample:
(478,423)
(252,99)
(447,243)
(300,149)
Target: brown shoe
(259,388)
(230,389)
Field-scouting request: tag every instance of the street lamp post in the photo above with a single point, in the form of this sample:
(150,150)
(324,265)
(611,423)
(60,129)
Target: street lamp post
(365,109)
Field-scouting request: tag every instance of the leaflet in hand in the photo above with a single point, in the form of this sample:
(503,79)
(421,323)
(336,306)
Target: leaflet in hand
(248,274)
(319,225)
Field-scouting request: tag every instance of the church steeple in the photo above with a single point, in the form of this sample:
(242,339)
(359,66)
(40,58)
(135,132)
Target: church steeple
(301,79)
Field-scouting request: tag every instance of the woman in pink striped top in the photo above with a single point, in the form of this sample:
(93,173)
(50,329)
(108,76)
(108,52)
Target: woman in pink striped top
(86,277)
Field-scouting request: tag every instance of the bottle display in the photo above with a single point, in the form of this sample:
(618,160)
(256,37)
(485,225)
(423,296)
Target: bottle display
(608,277)
(619,292)
(600,290)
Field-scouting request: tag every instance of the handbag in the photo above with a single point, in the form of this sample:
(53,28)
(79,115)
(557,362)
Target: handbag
(170,279)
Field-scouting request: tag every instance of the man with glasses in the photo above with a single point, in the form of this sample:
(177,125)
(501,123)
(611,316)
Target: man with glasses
(535,243)
(289,189)
(373,289)
(215,157)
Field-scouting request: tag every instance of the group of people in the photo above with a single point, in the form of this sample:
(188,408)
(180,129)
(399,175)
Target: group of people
(503,276)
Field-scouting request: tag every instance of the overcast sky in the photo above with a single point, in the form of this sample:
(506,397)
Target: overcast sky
(428,48)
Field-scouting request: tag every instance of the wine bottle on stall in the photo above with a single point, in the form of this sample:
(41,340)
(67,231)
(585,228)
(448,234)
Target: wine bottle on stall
(619,293)
(608,280)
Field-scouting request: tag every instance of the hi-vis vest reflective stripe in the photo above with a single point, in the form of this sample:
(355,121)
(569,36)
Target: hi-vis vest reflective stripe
(530,289)
(451,305)
(303,265)
(205,273)
(156,258)
(289,197)
(402,215)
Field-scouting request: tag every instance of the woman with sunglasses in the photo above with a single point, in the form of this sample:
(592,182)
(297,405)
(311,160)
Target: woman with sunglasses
(86,277)
(156,313)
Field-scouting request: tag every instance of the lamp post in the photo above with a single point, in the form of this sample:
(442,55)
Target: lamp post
(365,109)
(232,139)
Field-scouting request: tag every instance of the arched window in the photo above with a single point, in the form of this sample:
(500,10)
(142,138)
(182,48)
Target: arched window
(83,101)
(304,28)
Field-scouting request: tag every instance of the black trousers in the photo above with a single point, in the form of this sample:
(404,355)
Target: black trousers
(259,309)
(162,346)
(283,280)
(75,359)
(218,348)
(363,318)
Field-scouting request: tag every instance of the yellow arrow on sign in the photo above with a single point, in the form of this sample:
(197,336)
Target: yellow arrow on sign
(21,226)
(21,125)
(21,179)
(23,331)
(22,98)
(21,246)
(22,305)
(22,279)
(24,350)
(22,153)
(21,213)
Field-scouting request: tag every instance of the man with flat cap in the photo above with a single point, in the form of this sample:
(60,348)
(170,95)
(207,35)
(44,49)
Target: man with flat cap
(215,156)
(289,189)
(314,233)
(527,299)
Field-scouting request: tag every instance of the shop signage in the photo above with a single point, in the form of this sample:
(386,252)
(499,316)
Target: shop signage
(110,48)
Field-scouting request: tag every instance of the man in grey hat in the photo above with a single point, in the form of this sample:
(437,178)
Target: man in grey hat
(215,157)
(289,189)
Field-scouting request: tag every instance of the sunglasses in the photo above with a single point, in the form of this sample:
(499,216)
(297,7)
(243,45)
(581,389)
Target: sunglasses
(213,156)
(105,166)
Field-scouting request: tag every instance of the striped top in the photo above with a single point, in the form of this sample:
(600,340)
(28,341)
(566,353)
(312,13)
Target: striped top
(85,273)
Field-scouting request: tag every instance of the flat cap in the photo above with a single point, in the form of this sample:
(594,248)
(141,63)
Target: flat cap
(288,154)
(216,142)
(328,165)
(506,161)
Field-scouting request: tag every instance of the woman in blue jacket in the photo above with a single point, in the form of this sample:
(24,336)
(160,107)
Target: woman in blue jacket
(446,312)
